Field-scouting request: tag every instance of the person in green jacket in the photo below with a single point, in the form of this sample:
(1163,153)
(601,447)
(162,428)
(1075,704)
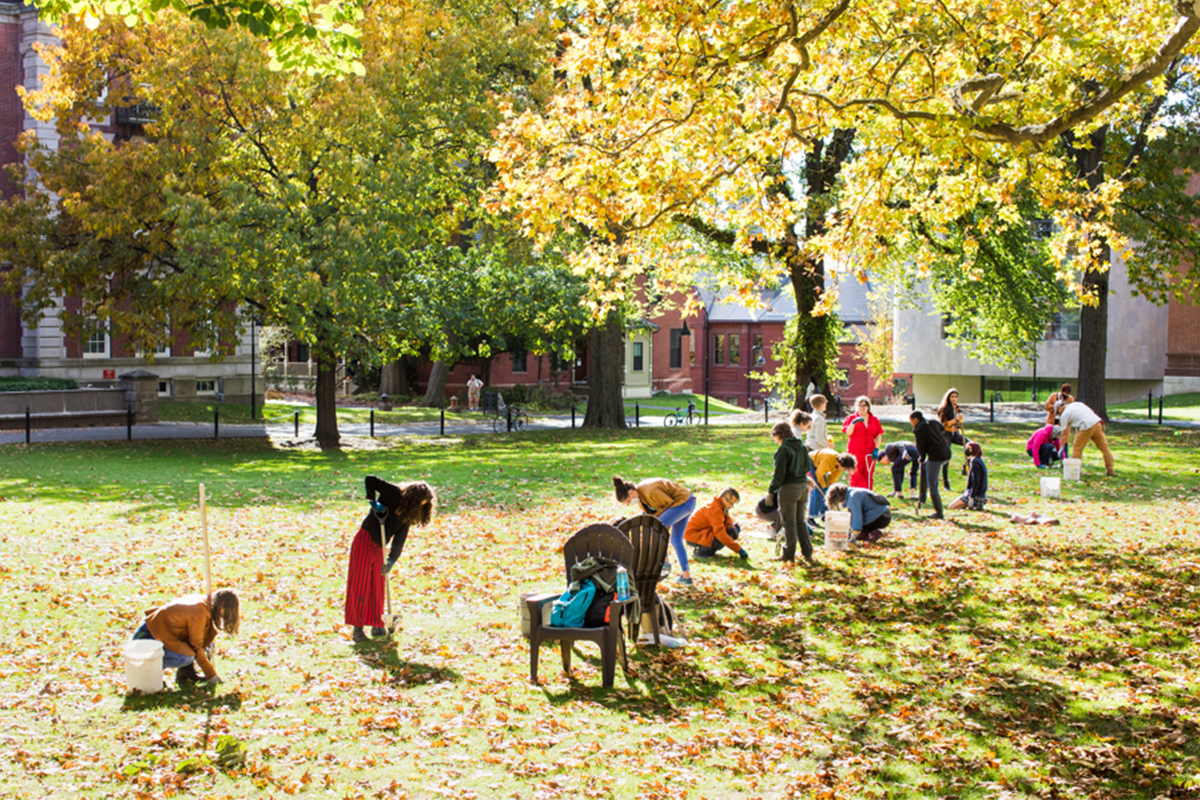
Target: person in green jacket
(790,480)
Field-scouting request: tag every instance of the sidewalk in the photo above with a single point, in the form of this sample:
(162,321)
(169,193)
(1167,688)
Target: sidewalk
(892,415)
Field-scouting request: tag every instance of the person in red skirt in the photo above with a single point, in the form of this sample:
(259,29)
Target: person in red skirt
(394,509)
(866,437)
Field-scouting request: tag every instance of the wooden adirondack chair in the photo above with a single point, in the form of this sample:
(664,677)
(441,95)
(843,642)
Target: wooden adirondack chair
(650,540)
(594,540)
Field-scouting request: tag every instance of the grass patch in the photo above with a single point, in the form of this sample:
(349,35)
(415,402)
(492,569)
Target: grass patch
(971,657)
(239,413)
(1175,406)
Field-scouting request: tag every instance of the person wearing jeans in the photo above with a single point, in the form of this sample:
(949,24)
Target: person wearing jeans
(935,453)
(672,503)
(187,627)
(900,455)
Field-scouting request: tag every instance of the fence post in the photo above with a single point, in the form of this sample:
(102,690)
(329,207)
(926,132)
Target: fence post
(216,422)
(767,410)
(129,424)
(1160,404)
(297,424)
(572,416)
(912,399)
(27,424)
(637,415)
(992,409)
(442,423)
(1149,405)
(508,419)
(372,423)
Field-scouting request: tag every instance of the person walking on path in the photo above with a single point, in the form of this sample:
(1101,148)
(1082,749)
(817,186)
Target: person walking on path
(866,436)
(790,480)
(1088,427)
(473,387)
(187,627)
(1056,402)
(900,455)
(952,419)
(711,528)
(394,509)
(934,451)
(672,503)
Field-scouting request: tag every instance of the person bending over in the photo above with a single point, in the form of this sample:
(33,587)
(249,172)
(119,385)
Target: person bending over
(934,451)
(1044,446)
(187,627)
(902,455)
(1089,428)
(711,528)
(827,468)
(869,512)
(672,503)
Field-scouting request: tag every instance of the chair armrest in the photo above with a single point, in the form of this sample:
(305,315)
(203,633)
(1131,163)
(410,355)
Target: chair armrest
(614,619)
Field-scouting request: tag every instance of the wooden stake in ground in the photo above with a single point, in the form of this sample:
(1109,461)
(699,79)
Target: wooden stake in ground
(390,621)
(207,560)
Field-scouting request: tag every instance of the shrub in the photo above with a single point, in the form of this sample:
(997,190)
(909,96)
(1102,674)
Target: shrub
(19,384)
(662,393)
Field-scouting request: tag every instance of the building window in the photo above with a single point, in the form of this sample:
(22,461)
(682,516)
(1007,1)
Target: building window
(1041,228)
(206,387)
(733,401)
(164,388)
(638,357)
(162,351)
(676,348)
(946,320)
(95,340)
(301,351)
(520,361)
(719,349)
(735,349)
(1064,326)
(756,353)
(556,362)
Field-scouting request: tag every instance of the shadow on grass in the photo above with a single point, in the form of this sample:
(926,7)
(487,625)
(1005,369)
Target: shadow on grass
(199,697)
(383,657)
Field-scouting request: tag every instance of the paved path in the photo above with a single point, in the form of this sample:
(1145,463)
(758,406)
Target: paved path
(894,415)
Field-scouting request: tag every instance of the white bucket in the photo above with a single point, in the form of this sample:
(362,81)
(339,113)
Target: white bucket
(1072,469)
(144,665)
(1051,488)
(546,606)
(837,530)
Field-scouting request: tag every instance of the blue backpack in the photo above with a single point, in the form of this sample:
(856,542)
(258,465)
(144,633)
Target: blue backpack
(570,610)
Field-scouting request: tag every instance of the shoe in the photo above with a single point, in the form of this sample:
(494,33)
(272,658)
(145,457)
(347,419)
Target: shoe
(1112,473)
(874,536)
(666,570)
(809,561)
(697,557)
(946,486)
(813,522)
(379,633)
(186,675)
(913,495)
(359,636)
(938,516)
(682,581)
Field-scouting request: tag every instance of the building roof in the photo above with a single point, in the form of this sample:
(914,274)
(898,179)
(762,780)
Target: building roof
(779,304)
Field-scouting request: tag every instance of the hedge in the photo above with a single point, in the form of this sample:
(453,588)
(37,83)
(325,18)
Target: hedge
(36,384)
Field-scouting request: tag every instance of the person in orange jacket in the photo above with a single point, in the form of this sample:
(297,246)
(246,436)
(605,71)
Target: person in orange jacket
(710,529)
(186,627)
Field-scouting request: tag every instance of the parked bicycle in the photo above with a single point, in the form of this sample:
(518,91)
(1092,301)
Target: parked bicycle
(520,420)
(680,418)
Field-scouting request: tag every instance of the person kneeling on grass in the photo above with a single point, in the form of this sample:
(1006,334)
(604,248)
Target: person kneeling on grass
(187,627)
(1044,446)
(975,497)
(869,512)
(711,528)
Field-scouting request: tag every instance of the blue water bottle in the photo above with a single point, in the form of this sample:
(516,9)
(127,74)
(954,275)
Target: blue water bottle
(622,584)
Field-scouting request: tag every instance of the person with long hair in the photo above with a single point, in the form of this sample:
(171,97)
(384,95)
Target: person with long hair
(952,419)
(672,503)
(789,483)
(1056,402)
(866,437)
(187,627)
(394,509)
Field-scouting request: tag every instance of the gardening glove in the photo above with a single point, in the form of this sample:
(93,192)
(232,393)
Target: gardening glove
(875,454)
(214,680)
(857,421)
(1043,466)
(743,555)
(387,566)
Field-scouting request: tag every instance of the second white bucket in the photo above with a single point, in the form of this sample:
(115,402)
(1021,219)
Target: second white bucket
(144,665)
(837,530)
(1072,469)
(1051,488)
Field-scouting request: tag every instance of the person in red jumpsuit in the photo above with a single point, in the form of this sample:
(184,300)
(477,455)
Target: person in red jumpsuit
(866,437)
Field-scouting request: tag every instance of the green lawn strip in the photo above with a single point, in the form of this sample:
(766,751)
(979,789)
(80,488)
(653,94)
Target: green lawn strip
(239,413)
(1176,406)
(970,658)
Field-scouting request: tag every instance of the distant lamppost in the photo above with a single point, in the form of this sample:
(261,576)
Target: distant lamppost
(253,369)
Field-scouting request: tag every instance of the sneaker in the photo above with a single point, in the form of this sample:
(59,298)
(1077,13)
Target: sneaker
(874,536)
(666,570)
(359,636)
(682,581)
(813,522)
(379,633)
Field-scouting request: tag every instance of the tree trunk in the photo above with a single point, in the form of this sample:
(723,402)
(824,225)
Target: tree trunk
(391,380)
(606,407)
(808,281)
(327,424)
(1093,320)
(436,391)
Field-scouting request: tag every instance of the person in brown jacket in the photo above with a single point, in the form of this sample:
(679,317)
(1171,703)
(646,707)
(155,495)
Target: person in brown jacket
(672,503)
(711,528)
(187,627)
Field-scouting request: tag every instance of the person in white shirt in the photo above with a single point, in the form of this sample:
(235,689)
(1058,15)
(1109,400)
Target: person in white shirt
(1087,426)
(818,434)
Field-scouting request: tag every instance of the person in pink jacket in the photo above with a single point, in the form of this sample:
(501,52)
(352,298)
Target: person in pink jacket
(1044,446)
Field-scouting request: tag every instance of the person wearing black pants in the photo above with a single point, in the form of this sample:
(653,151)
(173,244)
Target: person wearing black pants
(934,451)
(900,455)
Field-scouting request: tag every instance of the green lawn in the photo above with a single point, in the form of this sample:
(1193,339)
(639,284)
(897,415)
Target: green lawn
(1176,406)
(970,658)
(238,413)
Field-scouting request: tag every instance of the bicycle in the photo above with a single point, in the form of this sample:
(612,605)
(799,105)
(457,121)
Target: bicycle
(520,420)
(679,418)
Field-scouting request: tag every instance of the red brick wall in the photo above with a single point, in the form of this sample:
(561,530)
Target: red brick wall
(12,113)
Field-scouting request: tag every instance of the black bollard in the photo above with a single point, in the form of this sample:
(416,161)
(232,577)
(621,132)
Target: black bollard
(766,410)
(572,417)
(442,427)
(372,423)
(216,423)
(297,424)
(1149,405)
(637,415)
(27,424)
(912,398)
(508,419)
(1160,409)
(129,424)
(992,409)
